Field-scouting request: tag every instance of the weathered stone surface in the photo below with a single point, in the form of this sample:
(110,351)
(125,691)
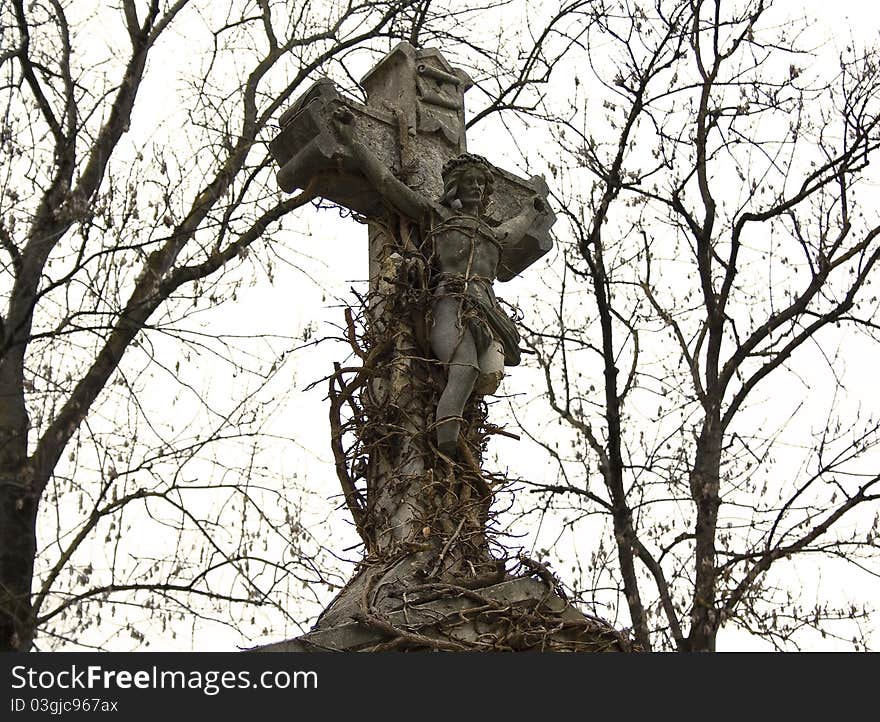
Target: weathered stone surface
(444,225)
(511,193)
(466,620)
(425,88)
(308,152)
(310,155)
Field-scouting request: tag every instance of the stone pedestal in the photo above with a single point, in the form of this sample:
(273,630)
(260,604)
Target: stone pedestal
(517,615)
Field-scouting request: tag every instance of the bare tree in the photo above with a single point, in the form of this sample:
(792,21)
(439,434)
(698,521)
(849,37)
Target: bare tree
(719,291)
(118,228)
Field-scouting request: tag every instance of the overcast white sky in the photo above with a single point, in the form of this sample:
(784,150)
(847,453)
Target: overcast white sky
(333,254)
(338,259)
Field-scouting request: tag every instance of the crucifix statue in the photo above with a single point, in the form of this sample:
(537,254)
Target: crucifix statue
(431,340)
(470,334)
(444,226)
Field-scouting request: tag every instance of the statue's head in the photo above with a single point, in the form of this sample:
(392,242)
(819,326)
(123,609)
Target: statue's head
(463,173)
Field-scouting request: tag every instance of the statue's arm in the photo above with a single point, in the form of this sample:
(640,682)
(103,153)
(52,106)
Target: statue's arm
(515,228)
(403,199)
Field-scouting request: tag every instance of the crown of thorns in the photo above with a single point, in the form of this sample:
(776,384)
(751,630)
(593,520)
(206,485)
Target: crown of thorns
(467,159)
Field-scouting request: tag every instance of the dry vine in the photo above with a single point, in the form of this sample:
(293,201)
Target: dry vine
(427,520)
(382,427)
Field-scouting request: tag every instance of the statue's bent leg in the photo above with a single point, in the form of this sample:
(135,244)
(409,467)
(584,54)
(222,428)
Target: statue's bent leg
(462,373)
(455,347)
(491,369)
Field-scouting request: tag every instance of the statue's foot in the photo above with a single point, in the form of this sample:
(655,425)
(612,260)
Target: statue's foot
(447,437)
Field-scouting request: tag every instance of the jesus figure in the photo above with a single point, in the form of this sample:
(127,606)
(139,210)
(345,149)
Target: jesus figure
(471,334)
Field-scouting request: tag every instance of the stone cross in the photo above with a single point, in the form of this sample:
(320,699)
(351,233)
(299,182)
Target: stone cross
(422,508)
(414,121)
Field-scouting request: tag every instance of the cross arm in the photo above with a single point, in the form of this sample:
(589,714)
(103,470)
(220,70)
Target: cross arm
(395,193)
(522,219)
(311,154)
(512,231)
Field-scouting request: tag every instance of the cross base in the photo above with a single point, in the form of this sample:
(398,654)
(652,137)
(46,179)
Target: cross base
(519,614)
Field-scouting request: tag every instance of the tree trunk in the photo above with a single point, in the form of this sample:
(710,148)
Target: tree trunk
(18,512)
(18,548)
(705,486)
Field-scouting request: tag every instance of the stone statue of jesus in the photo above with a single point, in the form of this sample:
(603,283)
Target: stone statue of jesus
(470,333)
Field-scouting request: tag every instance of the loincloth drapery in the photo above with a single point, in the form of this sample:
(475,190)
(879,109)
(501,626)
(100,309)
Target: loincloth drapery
(481,314)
